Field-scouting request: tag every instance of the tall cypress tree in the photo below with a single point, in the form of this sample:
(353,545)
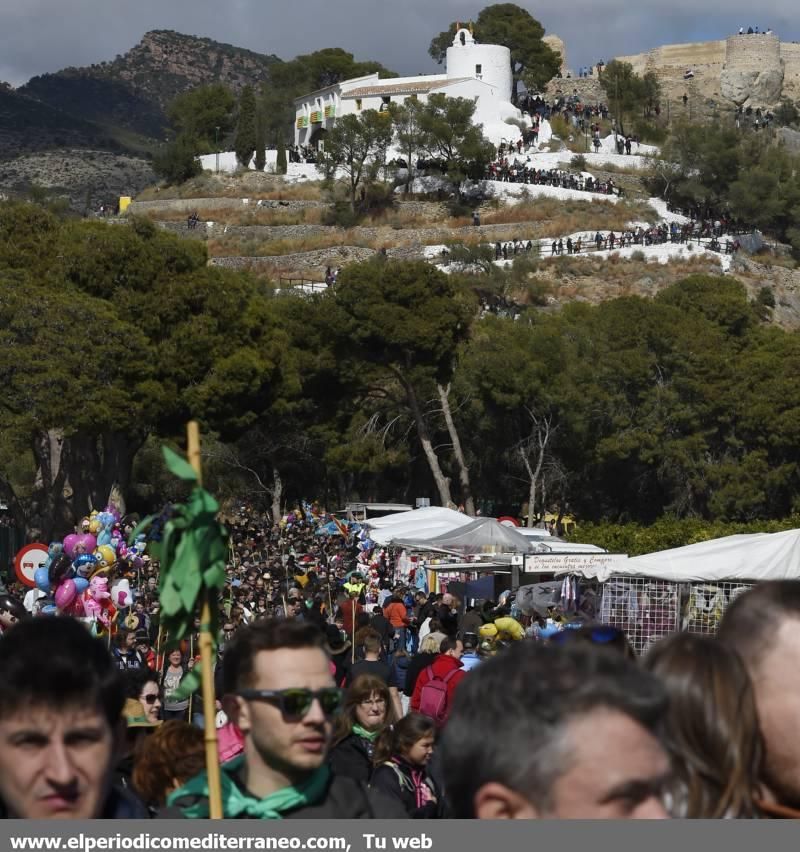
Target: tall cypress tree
(245,143)
(261,140)
(280,165)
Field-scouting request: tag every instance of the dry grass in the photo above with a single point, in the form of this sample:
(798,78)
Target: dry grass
(567,217)
(240,185)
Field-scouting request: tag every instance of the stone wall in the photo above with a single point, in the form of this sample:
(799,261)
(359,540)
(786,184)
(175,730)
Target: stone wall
(751,70)
(188,205)
(790,54)
(376,236)
(588,89)
(433,210)
(753,73)
(293,263)
(752,52)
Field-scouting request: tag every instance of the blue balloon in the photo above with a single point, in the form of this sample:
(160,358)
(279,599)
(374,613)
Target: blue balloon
(50,609)
(42,580)
(81,585)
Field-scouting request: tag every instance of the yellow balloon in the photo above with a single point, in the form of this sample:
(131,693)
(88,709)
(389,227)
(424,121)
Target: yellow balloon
(487,631)
(94,527)
(105,554)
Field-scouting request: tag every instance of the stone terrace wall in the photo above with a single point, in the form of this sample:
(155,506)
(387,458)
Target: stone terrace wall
(188,205)
(309,260)
(432,210)
(377,236)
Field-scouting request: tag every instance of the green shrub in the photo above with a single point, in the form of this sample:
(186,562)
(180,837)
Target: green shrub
(341,215)
(177,161)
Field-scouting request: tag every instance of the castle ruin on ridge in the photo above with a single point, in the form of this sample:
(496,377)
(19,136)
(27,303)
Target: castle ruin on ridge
(748,70)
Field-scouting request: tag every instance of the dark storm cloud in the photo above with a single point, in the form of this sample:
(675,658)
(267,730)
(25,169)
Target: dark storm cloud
(44,35)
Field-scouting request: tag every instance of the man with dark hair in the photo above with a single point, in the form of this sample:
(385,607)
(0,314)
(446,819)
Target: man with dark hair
(380,624)
(556,732)
(763,625)
(125,651)
(61,722)
(279,692)
(372,663)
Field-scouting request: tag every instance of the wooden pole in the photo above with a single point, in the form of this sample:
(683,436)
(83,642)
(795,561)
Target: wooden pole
(353,615)
(206,661)
(159,661)
(191,657)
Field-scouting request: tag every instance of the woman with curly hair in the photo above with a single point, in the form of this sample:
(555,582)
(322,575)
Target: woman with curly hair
(167,759)
(367,710)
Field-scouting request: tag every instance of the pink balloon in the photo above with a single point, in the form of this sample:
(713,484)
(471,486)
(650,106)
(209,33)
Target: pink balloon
(87,543)
(65,594)
(69,545)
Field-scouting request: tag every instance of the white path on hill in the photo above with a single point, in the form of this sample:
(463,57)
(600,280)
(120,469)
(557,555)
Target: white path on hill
(662,253)
(515,192)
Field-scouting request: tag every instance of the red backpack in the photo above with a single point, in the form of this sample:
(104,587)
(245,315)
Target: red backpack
(433,696)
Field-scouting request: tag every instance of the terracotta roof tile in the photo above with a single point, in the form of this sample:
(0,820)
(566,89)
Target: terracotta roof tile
(390,88)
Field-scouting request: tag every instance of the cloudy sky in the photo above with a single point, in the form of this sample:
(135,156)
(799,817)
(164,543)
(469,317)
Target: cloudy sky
(37,36)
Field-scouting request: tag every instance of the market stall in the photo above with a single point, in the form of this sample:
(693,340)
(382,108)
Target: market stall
(685,588)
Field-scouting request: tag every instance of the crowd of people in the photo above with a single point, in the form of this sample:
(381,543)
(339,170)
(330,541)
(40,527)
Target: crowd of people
(302,154)
(344,689)
(653,236)
(518,171)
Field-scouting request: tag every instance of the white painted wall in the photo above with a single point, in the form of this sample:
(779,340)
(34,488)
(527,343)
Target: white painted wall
(494,59)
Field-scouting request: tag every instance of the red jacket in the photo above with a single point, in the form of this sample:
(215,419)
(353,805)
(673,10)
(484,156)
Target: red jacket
(441,666)
(396,614)
(351,609)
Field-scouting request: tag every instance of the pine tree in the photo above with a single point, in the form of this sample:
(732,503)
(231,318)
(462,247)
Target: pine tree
(281,162)
(245,143)
(261,141)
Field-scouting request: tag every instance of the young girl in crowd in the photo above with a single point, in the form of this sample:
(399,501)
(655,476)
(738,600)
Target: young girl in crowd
(401,758)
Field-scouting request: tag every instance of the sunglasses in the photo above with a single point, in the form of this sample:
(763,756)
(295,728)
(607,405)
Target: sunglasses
(601,634)
(150,699)
(295,703)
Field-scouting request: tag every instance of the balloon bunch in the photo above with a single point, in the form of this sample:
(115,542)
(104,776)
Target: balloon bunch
(78,571)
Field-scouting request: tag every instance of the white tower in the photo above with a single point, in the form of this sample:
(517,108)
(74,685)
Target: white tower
(488,62)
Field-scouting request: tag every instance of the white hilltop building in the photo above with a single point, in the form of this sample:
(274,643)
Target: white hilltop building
(480,72)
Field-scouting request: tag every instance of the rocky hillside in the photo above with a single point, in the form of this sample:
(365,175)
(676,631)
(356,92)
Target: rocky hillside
(85,178)
(130,94)
(28,125)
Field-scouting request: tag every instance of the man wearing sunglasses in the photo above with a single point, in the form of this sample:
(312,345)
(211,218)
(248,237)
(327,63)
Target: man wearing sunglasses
(279,692)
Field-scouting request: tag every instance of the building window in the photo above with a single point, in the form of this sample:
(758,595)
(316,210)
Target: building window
(478,70)
(358,104)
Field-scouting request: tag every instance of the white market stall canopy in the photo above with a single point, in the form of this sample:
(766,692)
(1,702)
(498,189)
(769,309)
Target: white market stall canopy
(482,535)
(763,556)
(417,524)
